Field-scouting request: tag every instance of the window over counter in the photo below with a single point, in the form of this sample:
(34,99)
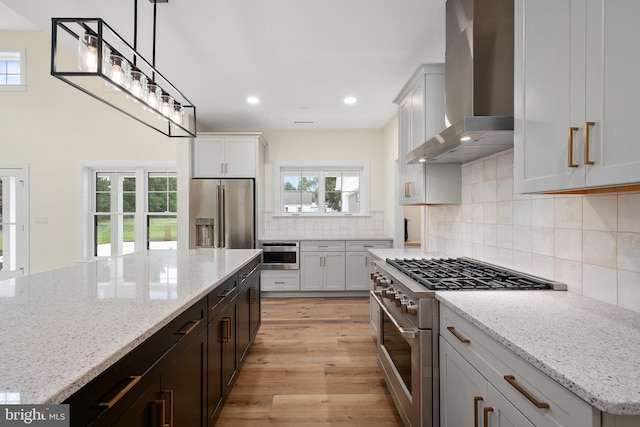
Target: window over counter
(131,209)
(321,189)
(12,70)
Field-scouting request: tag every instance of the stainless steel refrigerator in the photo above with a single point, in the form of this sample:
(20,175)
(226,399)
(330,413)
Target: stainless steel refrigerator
(222,213)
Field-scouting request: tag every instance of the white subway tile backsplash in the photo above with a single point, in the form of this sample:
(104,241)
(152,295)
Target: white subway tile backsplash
(522,238)
(504,189)
(629,290)
(543,240)
(600,283)
(522,212)
(542,212)
(629,212)
(629,252)
(600,213)
(599,248)
(568,244)
(589,242)
(568,212)
(570,273)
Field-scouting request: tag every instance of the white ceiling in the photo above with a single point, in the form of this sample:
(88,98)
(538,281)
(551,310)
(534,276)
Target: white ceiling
(300,57)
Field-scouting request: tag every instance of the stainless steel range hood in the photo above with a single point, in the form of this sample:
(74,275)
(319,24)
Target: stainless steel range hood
(478,84)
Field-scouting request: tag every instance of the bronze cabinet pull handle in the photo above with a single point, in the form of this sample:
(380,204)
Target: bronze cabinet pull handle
(455,334)
(194,323)
(226,331)
(476,399)
(162,411)
(407,189)
(486,415)
(170,424)
(512,380)
(570,153)
(587,126)
(134,380)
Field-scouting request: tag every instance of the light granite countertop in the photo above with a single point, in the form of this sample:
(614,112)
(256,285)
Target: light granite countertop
(588,346)
(60,329)
(319,237)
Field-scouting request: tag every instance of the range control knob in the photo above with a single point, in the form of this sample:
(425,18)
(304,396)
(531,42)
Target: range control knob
(384,282)
(399,298)
(408,307)
(389,293)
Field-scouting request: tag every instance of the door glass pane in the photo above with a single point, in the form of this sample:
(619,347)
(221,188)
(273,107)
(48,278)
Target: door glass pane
(162,232)
(127,228)
(127,193)
(8,225)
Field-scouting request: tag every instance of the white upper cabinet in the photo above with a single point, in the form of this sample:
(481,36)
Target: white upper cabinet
(575,93)
(225,156)
(420,116)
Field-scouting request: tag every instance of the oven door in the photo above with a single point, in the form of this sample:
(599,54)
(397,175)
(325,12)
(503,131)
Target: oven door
(405,357)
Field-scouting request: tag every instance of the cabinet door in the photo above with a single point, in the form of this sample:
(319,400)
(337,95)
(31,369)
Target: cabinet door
(244,319)
(311,271)
(208,157)
(255,303)
(240,154)
(222,361)
(334,271)
(460,385)
(183,385)
(549,94)
(357,271)
(612,91)
(146,411)
(503,413)
(229,342)
(411,176)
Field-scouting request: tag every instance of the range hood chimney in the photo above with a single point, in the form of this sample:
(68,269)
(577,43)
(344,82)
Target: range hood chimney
(478,84)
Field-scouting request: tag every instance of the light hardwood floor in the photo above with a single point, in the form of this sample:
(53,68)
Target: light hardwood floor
(313,364)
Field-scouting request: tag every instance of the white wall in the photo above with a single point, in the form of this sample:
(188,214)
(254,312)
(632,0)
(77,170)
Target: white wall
(53,127)
(591,243)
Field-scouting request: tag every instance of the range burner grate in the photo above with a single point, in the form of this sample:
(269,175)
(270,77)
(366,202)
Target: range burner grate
(464,274)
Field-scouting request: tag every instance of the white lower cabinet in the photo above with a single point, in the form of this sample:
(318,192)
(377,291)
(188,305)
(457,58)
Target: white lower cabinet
(322,271)
(280,280)
(484,384)
(358,260)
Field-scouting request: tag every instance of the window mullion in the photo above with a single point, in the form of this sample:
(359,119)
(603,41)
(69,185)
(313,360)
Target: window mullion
(321,191)
(142,210)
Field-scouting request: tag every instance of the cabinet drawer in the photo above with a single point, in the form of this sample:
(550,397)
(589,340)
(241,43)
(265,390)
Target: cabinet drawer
(222,295)
(365,245)
(280,281)
(517,380)
(322,245)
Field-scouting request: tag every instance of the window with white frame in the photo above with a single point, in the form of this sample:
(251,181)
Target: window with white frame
(12,69)
(133,209)
(334,188)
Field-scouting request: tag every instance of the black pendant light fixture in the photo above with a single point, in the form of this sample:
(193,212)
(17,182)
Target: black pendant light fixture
(90,56)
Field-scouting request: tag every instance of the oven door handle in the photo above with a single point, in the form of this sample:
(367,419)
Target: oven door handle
(404,333)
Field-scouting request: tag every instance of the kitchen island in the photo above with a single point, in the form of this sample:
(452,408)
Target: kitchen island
(61,329)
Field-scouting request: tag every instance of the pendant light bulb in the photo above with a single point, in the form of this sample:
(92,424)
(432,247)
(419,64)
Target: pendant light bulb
(118,66)
(88,53)
(178,114)
(166,106)
(137,83)
(153,95)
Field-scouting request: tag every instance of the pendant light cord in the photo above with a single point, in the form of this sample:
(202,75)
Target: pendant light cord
(153,55)
(135,30)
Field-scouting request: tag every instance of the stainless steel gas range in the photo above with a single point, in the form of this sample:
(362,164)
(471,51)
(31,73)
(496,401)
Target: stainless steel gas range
(403,300)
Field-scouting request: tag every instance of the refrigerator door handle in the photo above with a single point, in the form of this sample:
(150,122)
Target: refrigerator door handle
(222,221)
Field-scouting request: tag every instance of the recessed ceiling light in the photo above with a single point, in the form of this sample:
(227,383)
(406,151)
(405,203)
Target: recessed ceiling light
(465,138)
(253,100)
(350,100)
(422,160)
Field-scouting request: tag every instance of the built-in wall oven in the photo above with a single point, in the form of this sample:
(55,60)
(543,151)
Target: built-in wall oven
(280,255)
(403,291)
